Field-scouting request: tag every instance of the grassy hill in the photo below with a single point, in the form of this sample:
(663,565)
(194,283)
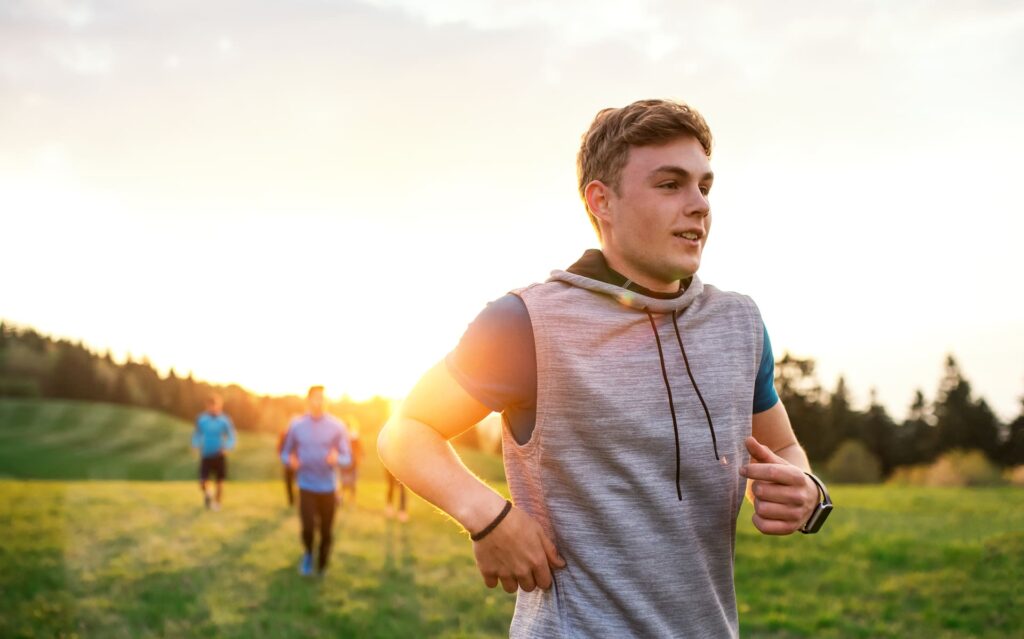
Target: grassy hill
(55,439)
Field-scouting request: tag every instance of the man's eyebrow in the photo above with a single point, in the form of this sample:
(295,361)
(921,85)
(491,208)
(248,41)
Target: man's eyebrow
(681,172)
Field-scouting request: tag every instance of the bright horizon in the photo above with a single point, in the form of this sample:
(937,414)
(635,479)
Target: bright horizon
(329,192)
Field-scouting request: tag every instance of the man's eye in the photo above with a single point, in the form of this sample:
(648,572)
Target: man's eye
(668,185)
(705,190)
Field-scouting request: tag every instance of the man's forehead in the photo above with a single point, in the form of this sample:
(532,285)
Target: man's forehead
(685,154)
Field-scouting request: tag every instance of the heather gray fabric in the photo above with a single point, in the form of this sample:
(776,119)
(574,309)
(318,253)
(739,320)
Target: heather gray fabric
(599,472)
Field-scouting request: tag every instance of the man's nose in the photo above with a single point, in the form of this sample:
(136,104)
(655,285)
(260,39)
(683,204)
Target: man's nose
(698,205)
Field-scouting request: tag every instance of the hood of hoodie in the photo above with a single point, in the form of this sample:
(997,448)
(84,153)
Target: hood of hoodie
(591,272)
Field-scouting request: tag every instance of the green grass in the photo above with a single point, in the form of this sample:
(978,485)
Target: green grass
(55,439)
(143,559)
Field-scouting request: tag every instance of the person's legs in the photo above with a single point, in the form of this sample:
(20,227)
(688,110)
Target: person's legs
(221,473)
(388,510)
(289,480)
(307,514)
(403,516)
(204,472)
(326,514)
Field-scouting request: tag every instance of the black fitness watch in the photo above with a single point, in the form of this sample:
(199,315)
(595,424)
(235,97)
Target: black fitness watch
(821,511)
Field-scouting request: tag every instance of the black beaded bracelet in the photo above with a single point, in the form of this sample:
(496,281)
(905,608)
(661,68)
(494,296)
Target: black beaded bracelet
(494,524)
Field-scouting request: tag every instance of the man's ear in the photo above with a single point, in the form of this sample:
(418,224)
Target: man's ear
(597,195)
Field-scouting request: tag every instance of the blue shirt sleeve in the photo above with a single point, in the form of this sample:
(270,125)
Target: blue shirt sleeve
(197,437)
(765,395)
(495,360)
(231,438)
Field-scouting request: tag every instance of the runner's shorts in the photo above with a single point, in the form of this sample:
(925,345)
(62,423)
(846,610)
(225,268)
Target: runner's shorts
(216,465)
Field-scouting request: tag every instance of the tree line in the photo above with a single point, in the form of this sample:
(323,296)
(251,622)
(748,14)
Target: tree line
(35,365)
(955,420)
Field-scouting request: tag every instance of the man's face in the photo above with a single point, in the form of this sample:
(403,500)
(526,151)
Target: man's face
(315,401)
(215,406)
(659,218)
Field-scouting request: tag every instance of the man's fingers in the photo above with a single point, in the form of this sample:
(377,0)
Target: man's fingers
(775,473)
(773,526)
(490,581)
(509,584)
(542,576)
(779,512)
(778,493)
(526,581)
(552,553)
(761,453)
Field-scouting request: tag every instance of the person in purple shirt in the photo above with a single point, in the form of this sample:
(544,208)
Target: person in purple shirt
(317,444)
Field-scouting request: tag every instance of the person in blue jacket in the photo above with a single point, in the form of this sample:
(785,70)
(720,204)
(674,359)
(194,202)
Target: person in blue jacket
(317,444)
(213,437)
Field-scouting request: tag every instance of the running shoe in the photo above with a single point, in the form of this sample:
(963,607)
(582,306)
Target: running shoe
(306,567)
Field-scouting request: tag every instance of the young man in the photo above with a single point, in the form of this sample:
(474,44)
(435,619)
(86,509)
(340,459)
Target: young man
(637,402)
(213,437)
(317,443)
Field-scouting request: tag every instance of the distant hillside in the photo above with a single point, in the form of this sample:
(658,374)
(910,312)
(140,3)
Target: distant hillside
(63,439)
(59,439)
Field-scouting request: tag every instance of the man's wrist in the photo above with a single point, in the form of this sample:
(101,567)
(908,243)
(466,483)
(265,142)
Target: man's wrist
(821,509)
(475,514)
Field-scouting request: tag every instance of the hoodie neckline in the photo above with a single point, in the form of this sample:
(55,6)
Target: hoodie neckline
(591,272)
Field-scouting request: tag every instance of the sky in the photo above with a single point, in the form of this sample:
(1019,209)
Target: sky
(281,194)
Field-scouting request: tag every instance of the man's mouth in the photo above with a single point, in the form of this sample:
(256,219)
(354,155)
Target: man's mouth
(693,236)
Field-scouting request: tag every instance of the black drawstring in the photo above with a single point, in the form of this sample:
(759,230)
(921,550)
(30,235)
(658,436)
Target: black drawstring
(671,405)
(707,413)
(668,391)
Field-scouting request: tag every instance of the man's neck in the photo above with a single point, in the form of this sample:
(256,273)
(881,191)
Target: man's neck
(593,264)
(631,275)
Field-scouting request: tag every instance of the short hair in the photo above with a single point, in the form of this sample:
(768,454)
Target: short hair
(604,148)
(314,389)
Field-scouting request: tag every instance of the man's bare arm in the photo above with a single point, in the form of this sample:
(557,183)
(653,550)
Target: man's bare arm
(414,447)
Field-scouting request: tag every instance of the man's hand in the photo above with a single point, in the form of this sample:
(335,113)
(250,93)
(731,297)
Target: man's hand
(518,554)
(332,458)
(784,496)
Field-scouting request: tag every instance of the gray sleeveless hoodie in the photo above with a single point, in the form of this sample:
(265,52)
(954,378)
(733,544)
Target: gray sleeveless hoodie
(643,406)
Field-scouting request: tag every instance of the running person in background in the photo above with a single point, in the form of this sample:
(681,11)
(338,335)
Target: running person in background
(395,488)
(350,473)
(316,445)
(213,437)
(289,468)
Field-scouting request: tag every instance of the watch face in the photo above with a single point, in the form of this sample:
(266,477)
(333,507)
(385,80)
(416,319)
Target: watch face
(817,519)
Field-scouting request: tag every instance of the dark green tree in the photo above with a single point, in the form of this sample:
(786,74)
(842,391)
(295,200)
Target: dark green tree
(801,393)
(878,432)
(962,421)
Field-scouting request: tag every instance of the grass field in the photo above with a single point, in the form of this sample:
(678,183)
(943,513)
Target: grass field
(54,439)
(143,559)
